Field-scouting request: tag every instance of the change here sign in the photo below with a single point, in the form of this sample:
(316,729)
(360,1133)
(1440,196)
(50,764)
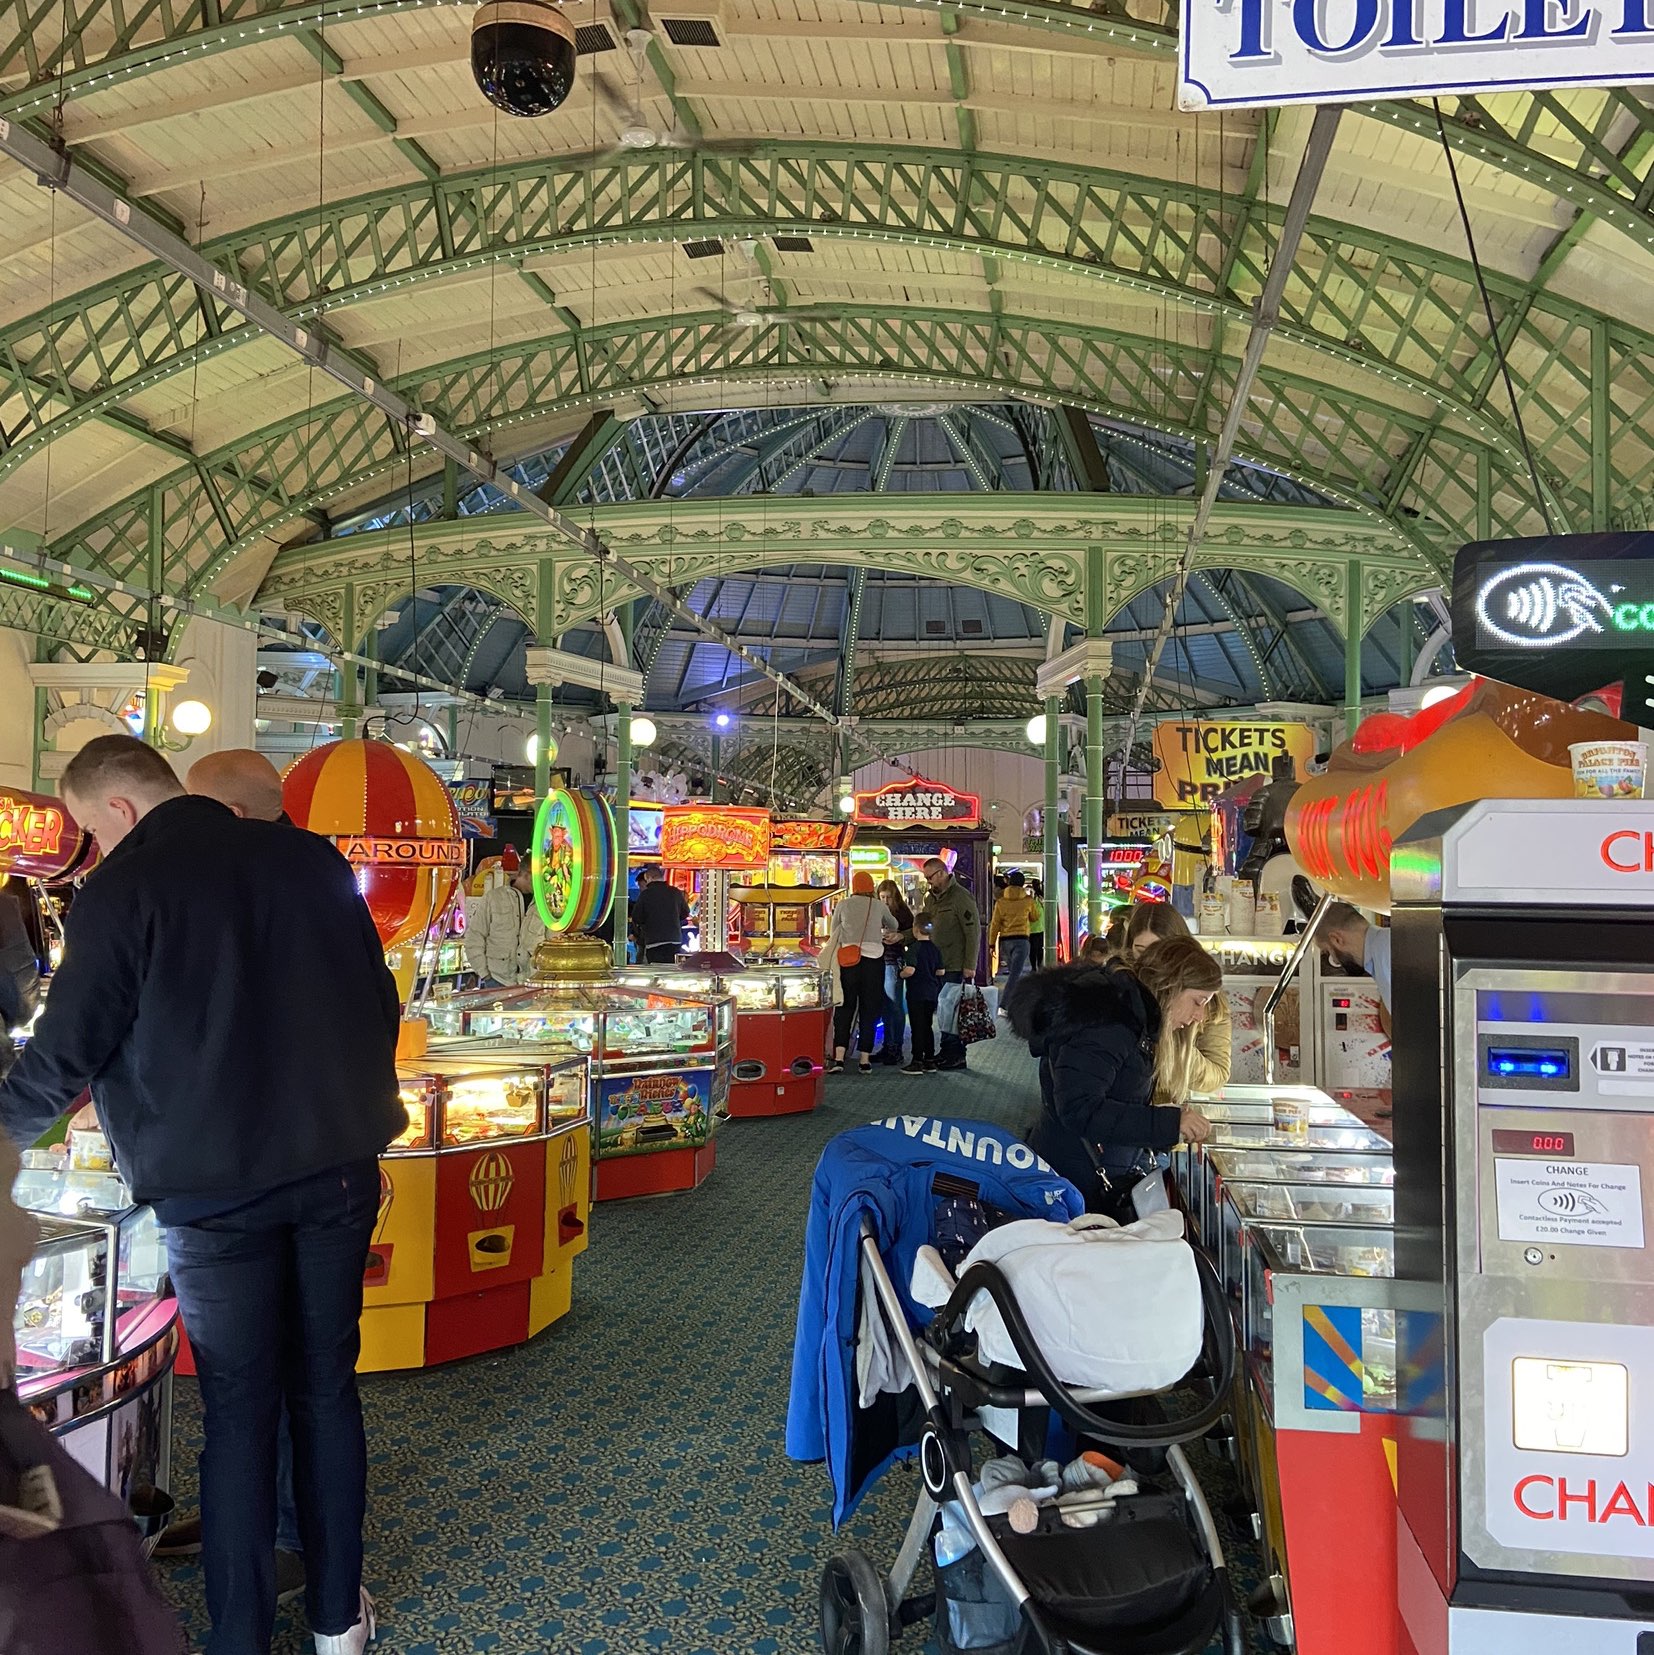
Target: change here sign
(1579,1203)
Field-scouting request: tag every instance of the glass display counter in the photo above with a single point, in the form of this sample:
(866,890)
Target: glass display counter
(484,1201)
(1196,1178)
(97,1330)
(1318,1426)
(661,1063)
(783,1015)
(1312,1202)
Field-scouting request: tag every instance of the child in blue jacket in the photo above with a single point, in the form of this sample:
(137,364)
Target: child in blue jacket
(923,972)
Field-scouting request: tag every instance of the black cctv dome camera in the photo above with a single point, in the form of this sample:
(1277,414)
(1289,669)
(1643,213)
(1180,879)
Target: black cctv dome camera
(522,55)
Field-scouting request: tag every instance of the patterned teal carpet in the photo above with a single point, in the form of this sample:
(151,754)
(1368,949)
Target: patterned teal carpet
(619,1485)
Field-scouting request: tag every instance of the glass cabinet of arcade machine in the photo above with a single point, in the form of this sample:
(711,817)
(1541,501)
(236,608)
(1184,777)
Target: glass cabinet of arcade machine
(1311,1203)
(1196,1176)
(1317,1425)
(484,1202)
(783,1014)
(97,1334)
(661,1066)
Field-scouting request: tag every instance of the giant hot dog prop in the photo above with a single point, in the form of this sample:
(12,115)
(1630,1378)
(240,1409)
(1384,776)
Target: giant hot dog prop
(1488,741)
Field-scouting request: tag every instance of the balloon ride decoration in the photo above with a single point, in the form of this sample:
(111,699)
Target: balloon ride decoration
(395,823)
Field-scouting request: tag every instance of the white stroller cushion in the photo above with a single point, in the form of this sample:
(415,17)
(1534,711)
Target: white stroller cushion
(1113,1308)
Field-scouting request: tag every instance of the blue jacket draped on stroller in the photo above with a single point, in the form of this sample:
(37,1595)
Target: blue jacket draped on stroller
(893,1173)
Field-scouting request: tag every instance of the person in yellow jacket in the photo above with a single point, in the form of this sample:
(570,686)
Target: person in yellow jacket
(1009,923)
(1154,922)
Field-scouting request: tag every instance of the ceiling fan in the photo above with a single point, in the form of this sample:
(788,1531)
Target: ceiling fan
(753,318)
(636,132)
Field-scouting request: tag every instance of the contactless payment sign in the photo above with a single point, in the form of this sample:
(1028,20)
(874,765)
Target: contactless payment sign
(1562,614)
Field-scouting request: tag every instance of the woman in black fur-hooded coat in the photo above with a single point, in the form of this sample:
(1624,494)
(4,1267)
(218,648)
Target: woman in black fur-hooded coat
(1102,1034)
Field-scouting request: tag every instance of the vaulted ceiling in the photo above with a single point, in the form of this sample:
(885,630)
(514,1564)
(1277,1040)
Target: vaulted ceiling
(886,244)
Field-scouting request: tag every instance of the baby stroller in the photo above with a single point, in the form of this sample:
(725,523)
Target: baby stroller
(1147,1577)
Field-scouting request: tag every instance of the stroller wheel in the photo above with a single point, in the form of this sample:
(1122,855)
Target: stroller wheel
(855,1615)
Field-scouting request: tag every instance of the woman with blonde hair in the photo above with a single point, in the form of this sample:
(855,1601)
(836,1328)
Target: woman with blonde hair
(1114,1041)
(1151,925)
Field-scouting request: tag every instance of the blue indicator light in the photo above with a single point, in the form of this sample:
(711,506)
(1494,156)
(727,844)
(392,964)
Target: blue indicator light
(1543,1063)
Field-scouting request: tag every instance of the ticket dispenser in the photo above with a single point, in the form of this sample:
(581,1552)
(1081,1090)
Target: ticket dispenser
(1524,1136)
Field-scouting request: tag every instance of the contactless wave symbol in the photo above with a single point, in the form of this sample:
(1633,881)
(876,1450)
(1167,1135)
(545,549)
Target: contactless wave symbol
(1570,1203)
(1540,605)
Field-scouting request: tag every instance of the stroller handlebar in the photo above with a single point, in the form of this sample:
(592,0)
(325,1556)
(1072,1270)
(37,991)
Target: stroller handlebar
(1070,1402)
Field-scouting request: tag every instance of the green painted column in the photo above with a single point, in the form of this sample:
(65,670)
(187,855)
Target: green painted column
(623,822)
(1094,802)
(1052,863)
(42,710)
(715,790)
(1352,654)
(345,697)
(542,746)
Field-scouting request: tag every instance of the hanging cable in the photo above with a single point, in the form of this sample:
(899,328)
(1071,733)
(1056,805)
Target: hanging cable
(1492,323)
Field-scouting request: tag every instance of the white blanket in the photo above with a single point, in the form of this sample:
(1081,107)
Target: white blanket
(1114,1309)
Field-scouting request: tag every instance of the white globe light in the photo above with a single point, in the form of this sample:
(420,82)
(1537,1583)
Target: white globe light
(534,749)
(1441,692)
(643,732)
(192,718)
(847,804)
(1036,730)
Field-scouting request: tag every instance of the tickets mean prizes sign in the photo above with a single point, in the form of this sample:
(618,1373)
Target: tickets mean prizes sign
(1198,760)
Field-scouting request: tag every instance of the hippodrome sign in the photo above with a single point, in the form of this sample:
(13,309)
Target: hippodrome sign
(1241,53)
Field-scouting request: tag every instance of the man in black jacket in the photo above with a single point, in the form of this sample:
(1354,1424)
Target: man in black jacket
(225,995)
(658,918)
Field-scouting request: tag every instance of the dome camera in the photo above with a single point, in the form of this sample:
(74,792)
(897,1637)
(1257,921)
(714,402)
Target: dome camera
(522,55)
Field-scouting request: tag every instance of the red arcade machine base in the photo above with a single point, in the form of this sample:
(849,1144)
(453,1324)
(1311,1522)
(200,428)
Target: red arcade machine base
(779,1068)
(665,1172)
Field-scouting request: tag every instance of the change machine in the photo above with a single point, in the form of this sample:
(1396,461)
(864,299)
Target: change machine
(1524,1136)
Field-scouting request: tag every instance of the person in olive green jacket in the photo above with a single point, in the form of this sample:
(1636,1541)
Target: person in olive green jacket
(956,929)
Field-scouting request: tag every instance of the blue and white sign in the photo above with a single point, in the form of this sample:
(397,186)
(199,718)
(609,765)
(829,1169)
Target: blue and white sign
(1252,53)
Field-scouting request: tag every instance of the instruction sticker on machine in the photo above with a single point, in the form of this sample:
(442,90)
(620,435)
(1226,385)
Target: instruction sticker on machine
(1575,1202)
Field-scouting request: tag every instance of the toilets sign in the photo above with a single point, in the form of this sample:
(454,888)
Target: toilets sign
(1239,53)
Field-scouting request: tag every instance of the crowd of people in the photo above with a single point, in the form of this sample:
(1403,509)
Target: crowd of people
(893,968)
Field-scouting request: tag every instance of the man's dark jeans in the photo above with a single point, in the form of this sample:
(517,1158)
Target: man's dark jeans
(271,1294)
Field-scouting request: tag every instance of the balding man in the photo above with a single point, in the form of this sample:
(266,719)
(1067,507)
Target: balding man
(246,782)
(241,778)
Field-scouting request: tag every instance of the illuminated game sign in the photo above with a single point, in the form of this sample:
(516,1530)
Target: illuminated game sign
(1561,614)
(809,836)
(1254,53)
(39,839)
(1199,760)
(573,859)
(370,851)
(918,803)
(714,836)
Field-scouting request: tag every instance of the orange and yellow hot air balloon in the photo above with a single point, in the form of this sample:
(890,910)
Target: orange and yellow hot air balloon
(393,820)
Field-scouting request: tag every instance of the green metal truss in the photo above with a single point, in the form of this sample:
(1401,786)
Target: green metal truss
(1067,555)
(1568,143)
(1408,318)
(192,524)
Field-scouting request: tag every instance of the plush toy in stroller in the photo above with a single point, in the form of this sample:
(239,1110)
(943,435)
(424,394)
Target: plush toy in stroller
(972,1305)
